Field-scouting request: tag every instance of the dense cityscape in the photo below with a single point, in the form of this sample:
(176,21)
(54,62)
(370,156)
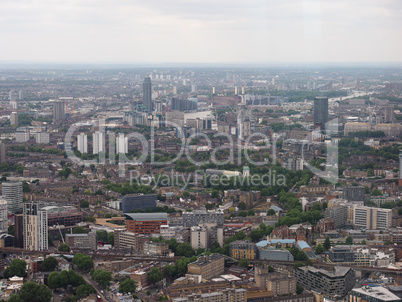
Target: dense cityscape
(200,151)
(201,184)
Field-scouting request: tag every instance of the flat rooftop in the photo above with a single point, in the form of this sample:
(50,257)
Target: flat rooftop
(379,293)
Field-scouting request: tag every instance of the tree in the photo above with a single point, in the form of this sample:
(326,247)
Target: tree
(85,204)
(49,264)
(349,240)
(14,298)
(316,207)
(270,269)
(185,250)
(319,249)
(148,292)
(242,214)
(17,267)
(299,289)
(101,277)
(90,219)
(215,194)
(25,187)
(79,230)
(376,192)
(11,230)
(297,265)
(250,212)
(242,206)
(209,206)
(127,286)
(101,236)
(54,280)
(84,290)
(271,212)
(244,263)
(34,292)
(63,247)
(169,270)
(327,243)
(155,275)
(364,242)
(110,238)
(82,261)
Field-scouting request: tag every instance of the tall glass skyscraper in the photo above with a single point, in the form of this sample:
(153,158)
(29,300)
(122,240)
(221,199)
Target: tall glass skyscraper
(320,111)
(147,94)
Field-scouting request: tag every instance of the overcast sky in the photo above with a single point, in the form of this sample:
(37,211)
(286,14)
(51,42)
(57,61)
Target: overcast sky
(200,31)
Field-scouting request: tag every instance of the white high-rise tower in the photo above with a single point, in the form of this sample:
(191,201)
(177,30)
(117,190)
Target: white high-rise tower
(98,142)
(121,144)
(82,143)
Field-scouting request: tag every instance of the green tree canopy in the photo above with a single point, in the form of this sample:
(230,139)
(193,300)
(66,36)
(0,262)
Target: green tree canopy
(49,264)
(327,243)
(155,275)
(33,292)
(101,277)
(185,250)
(54,280)
(17,267)
(127,286)
(14,298)
(83,262)
(376,192)
(63,247)
(271,212)
(84,290)
(244,263)
(319,249)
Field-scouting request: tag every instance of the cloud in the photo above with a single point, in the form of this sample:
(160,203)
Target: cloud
(200,31)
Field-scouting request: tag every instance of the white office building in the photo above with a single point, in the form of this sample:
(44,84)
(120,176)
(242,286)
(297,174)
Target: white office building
(98,142)
(82,143)
(121,144)
(22,135)
(42,137)
(199,237)
(12,193)
(371,218)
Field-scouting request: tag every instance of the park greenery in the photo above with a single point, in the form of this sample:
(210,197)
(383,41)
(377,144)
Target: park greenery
(101,277)
(32,292)
(83,262)
(17,267)
(63,247)
(127,286)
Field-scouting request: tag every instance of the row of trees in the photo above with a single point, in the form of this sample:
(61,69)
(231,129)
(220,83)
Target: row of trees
(101,277)
(66,278)
(83,262)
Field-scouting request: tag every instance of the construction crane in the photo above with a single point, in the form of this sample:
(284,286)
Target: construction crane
(61,235)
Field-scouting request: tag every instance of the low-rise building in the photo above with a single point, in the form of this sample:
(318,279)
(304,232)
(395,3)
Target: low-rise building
(145,223)
(372,294)
(243,249)
(335,283)
(129,240)
(208,266)
(82,241)
(156,248)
